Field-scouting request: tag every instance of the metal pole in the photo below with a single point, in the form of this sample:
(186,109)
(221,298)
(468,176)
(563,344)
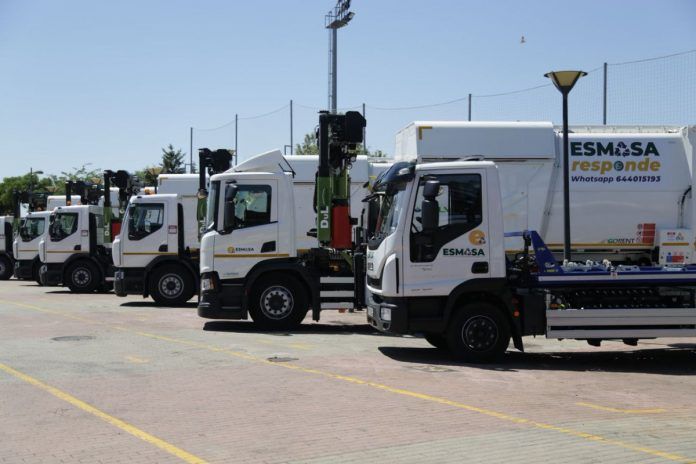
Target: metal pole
(31,179)
(236,153)
(469,107)
(566,183)
(191,151)
(604,117)
(291,145)
(334,66)
(364,133)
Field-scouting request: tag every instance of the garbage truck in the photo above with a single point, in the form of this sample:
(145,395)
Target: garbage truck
(439,262)
(283,232)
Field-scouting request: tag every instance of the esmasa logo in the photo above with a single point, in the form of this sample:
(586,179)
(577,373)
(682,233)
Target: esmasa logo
(463,252)
(635,157)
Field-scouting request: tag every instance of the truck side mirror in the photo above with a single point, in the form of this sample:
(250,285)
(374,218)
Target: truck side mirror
(229,218)
(430,209)
(431,189)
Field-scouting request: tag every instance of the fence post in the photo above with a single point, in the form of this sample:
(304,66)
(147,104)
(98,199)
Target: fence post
(191,151)
(364,132)
(604,112)
(469,107)
(291,145)
(236,153)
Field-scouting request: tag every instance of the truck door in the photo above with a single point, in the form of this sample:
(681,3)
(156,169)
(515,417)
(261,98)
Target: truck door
(254,235)
(146,237)
(458,249)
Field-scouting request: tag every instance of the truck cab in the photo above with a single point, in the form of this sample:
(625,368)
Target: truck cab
(73,251)
(33,228)
(6,254)
(154,254)
(415,275)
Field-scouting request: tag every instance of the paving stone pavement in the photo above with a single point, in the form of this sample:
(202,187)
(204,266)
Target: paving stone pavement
(96,378)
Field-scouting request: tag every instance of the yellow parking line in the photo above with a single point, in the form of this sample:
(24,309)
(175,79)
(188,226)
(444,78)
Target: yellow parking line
(623,411)
(299,346)
(403,392)
(126,427)
(136,360)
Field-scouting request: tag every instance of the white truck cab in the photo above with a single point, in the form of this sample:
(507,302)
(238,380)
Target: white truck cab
(33,229)
(155,253)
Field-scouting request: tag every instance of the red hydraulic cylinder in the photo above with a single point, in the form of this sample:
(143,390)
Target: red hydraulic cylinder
(341,228)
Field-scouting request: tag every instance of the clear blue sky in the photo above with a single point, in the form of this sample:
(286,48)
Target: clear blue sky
(112,82)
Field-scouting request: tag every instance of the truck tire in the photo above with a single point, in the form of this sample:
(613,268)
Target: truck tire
(478,333)
(82,277)
(6,270)
(439,341)
(171,285)
(278,302)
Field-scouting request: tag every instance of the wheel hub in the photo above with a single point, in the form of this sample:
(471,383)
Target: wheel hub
(480,333)
(81,277)
(171,286)
(277,302)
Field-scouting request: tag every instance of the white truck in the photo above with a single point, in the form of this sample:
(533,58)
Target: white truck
(156,253)
(629,185)
(33,228)
(438,260)
(256,256)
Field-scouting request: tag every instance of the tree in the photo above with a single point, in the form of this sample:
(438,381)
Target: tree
(309,145)
(172,161)
(21,184)
(90,176)
(148,176)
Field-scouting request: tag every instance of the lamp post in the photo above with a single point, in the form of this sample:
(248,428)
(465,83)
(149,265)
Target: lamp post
(335,19)
(564,82)
(31,178)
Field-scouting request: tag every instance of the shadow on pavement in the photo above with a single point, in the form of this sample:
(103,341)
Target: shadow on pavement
(679,359)
(152,304)
(249,327)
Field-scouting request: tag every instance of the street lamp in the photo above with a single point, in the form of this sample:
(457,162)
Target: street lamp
(564,82)
(31,178)
(335,19)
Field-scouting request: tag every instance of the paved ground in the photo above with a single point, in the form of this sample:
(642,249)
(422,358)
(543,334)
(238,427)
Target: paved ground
(96,378)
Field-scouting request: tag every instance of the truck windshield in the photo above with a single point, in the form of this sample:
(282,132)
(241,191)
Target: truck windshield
(389,211)
(32,228)
(211,208)
(144,219)
(64,225)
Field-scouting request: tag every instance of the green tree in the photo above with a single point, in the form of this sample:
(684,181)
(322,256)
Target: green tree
(172,161)
(22,184)
(91,176)
(309,146)
(148,176)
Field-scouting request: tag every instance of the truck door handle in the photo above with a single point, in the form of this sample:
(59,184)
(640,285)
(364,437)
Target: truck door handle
(77,248)
(163,247)
(479,267)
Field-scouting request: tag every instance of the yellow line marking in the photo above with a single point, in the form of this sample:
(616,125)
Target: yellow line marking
(137,360)
(299,346)
(125,426)
(624,411)
(398,391)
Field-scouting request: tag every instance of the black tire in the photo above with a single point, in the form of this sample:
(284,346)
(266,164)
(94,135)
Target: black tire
(35,272)
(171,285)
(479,333)
(439,341)
(6,269)
(82,277)
(278,302)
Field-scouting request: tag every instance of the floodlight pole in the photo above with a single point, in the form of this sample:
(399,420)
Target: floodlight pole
(335,19)
(333,103)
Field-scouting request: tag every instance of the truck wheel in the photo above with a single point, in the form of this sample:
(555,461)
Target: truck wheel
(82,277)
(278,302)
(5,268)
(171,285)
(439,341)
(479,333)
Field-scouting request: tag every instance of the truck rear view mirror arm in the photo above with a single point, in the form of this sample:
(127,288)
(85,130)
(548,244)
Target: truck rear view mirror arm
(229,218)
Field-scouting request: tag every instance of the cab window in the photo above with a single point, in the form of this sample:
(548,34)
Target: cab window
(63,225)
(32,228)
(252,206)
(461,210)
(144,219)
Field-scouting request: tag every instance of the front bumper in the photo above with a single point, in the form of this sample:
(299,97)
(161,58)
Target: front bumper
(223,301)
(387,314)
(129,281)
(51,274)
(23,269)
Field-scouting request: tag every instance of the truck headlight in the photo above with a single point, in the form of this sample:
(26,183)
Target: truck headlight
(385,314)
(207,284)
